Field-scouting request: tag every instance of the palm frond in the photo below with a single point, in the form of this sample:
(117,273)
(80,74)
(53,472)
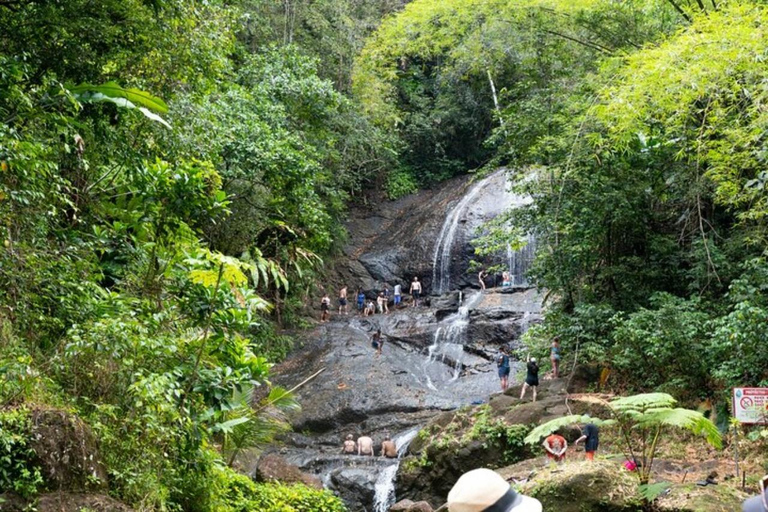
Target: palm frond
(643,402)
(553,425)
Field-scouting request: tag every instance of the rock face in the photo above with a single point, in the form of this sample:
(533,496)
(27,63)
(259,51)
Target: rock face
(355,486)
(67,451)
(432,230)
(272,467)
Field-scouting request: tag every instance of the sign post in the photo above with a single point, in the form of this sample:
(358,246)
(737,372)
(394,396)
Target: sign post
(750,405)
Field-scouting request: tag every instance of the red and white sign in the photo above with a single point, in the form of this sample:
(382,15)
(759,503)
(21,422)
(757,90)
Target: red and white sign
(750,405)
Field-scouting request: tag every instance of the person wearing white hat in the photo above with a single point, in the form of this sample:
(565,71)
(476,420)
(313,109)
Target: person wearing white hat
(483,490)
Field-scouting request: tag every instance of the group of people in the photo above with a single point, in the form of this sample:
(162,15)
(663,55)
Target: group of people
(556,446)
(532,368)
(506,279)
(364,446)
(367,306)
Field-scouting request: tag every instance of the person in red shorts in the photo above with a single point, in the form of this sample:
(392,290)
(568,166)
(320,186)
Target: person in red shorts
(555,445)
(591,440)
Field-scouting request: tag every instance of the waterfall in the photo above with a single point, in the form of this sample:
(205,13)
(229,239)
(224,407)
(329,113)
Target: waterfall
(385,483)
(441,260)
(519,261)
(448,343)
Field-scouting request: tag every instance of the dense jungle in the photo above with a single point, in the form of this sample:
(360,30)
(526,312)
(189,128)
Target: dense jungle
(209,209)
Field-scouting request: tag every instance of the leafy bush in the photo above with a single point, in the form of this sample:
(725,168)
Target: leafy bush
(496,434)
(17,470)
(241,494)
(400,183)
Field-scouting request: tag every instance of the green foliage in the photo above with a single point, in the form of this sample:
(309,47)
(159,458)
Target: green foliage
(399,184)
(243,495)
(545,429)
(497,435)
(18,473)
(428,73)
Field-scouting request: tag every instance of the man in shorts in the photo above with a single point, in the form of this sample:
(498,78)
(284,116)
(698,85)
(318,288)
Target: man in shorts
(343,301)
(365,446)
(388,448)
(415,291)
(377,342)
(591,440)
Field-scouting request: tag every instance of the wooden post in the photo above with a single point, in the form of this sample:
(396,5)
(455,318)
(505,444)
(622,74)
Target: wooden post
(736,449)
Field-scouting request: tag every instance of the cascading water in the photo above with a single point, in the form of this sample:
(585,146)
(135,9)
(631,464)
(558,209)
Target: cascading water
(448,345)
(519,261)
(441,261)
(385,483)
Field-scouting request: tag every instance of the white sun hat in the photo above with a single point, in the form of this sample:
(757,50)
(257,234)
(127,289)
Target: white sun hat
(483,490)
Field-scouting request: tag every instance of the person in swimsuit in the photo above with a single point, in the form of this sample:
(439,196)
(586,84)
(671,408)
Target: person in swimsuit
(481,279)
(365,446)
(554,357)
(360,300)
(503,364)
(377,342)
(415,291)
(505,279)
(388,448)
(531,378)
(350,447)
(325,305)
(343,301)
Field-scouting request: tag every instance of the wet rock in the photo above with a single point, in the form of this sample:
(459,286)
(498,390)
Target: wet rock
(66,451)
(410,506)
(272,467)
(355,486)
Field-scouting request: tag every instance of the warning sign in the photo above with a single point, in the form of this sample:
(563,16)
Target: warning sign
(750,405)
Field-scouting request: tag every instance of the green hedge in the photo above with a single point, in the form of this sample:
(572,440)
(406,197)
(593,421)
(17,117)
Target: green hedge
(244,495)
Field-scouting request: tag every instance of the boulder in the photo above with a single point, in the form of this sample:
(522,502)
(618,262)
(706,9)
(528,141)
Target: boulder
(410,506)
(355,486)
(600,486)
(272,467)
(66,451)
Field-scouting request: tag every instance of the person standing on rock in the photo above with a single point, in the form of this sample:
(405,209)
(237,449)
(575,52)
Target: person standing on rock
(365,446)
(360,300)
(531,378)
(388,448)
(381,303)
(325,305)
(554,357)
(377,342)
(398,293)
(415,291)
(481,278)
(343,300)
(555,446)
(349,445)
(503,364)
(591,438)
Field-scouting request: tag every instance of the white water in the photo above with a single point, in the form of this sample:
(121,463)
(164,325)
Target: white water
(519,261)
(441,260)
(448,342)
(385,483)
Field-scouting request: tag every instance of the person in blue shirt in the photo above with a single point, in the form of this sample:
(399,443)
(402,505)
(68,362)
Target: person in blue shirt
(360,300)
(554,357)
(503,364)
